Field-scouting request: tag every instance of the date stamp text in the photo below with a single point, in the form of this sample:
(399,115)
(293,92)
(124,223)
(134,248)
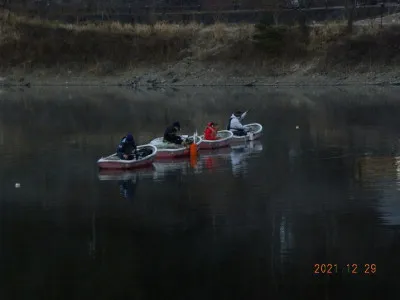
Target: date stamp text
(331,269)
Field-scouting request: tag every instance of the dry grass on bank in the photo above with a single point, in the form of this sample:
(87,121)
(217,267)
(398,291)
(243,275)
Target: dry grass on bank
(105,47)
(38,43)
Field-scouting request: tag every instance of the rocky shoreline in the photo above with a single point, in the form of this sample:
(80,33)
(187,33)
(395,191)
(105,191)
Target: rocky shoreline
(202,75)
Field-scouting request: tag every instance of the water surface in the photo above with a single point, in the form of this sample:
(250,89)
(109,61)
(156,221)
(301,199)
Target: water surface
(248,223)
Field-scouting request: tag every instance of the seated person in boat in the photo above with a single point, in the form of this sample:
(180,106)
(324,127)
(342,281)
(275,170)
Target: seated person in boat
(170,134)
(127,147)
(210,133)
(235,125)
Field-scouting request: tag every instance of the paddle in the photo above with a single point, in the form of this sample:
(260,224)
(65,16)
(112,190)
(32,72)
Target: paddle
(243,115)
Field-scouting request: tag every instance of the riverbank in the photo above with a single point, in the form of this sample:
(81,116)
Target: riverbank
(37,52)
(202,76)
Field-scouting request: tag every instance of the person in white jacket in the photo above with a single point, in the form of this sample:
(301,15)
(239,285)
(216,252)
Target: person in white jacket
(235,125)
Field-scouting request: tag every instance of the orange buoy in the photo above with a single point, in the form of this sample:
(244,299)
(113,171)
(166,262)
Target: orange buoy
(193,150)
(193,155)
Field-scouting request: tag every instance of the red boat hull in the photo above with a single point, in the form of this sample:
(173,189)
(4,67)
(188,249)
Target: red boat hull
(213,145)
(116,165)
(173,154)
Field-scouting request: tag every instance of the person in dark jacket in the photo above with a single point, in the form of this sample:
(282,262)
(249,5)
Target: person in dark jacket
(170,134)
(127,147)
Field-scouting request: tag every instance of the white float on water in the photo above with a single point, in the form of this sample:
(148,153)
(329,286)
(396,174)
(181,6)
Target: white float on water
(17,185)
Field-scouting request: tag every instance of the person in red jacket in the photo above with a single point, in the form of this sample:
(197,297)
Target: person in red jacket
(210,133)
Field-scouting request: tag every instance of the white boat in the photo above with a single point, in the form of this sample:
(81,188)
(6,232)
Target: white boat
(170,150)
(224,138)
(146,156)
(254,132)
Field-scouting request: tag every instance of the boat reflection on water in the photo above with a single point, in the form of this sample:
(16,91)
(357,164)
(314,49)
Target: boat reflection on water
(237,155)
(133,174)
(209,160)
(127,189)
(213,160)
(127,180)
(183,166)
(240,153)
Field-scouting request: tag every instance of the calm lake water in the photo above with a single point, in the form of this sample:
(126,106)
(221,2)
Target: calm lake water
(249,223)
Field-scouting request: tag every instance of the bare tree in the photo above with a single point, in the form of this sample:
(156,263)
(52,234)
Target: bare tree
(350,7)
(5,3)
(276,6)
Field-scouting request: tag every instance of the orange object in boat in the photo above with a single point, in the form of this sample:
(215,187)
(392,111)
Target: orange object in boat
(193,155)
(193,150)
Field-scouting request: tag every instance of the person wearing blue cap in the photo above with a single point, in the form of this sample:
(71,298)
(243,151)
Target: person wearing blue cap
(170,134)
(127,147)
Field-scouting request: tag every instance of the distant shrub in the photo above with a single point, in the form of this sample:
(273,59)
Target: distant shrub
(270,38)
(279,40)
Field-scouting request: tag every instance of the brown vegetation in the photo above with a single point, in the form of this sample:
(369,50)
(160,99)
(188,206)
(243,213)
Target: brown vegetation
(106,47)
